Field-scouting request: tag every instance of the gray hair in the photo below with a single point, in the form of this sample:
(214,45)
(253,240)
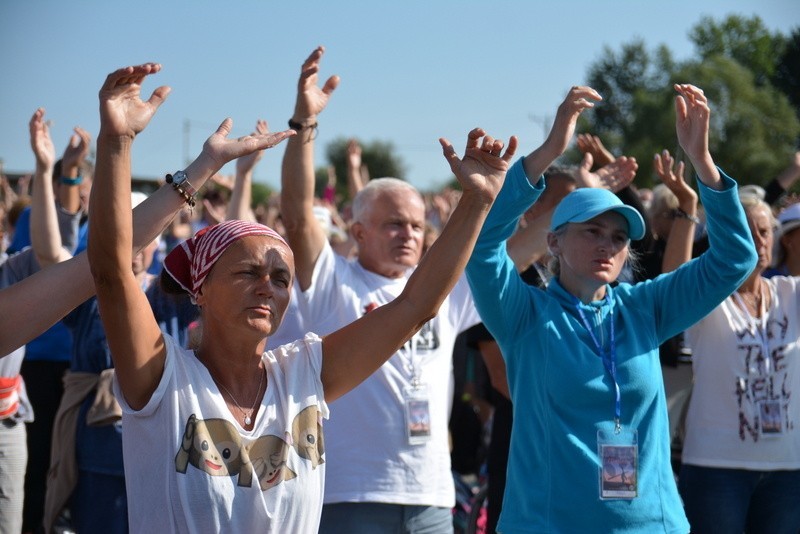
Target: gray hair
(664,201)
(751,202)
(364,199)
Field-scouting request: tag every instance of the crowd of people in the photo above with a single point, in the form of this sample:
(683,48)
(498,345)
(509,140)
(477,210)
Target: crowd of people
(186,361)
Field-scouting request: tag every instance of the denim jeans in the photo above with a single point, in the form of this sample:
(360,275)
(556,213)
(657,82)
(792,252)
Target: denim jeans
(737,500)
(372,517)
(99,504)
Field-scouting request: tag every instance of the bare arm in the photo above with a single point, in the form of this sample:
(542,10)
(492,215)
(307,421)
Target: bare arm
(134,338)
(71,162)
(495,365)
(528,244)
(354,352)
(681,235)
(569,110)
(355,180)
(45,234)
(303,231)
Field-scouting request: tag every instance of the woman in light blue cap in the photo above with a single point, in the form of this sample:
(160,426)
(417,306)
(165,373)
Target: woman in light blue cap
(590,444)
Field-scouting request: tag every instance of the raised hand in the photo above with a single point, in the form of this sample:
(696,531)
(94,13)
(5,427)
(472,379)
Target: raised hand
(312,99)
(484,165)
(122,111)
(588,143)
(245,164)
(672,176)
(77,150)
(618,174)
(354,154)
(692,120)
(613,176)
(222,150)
(577,100)
(41,143)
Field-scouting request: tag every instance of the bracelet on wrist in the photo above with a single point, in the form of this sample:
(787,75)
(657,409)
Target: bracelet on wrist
(680,214)
(180,182)
(66,180)
(299,127)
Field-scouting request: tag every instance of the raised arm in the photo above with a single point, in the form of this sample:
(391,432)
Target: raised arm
(354,352)
(692,125)
(577,100)
(74,158)
(45,234)
(591,144)
(134,338)
(355,178)
(303,231)
(33,305)
(242,190)
(681,235)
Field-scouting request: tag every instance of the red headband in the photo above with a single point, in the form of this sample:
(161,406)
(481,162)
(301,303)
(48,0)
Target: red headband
(190,262)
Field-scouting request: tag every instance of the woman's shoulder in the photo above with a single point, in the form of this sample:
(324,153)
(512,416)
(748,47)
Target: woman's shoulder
(298,352)
(785,285)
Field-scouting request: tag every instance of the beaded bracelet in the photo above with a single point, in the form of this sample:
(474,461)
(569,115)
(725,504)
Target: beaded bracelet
(180,182)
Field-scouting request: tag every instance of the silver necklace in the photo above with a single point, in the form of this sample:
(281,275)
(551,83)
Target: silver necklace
(247,415)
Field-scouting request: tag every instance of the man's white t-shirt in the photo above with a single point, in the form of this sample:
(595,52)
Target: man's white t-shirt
(742,374)
(190,466)
(369,458)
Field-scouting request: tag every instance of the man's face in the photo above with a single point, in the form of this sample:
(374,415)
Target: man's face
(391,235)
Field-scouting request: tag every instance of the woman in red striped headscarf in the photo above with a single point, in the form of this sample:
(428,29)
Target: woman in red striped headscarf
(229,437)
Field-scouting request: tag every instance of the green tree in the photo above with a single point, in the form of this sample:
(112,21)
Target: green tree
(260,194)
(754,126)
(633,117)
(787,71)
(743,39)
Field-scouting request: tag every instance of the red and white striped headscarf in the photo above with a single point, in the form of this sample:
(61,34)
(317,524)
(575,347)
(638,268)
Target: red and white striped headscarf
(190,262)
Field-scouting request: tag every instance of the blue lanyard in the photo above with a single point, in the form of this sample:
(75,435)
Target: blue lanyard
(609,358)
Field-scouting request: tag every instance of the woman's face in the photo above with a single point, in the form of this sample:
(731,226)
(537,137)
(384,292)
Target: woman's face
(760,224)
(250,285)
(592,253)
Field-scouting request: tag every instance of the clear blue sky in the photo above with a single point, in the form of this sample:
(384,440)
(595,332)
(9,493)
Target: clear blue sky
(411,71)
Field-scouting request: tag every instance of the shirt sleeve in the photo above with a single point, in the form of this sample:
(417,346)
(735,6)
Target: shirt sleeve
(499,292)
(682,297)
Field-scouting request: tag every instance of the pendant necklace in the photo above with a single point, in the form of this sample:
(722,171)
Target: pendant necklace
(247,415)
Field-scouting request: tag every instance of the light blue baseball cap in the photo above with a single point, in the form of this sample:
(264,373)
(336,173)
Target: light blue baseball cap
(589,202)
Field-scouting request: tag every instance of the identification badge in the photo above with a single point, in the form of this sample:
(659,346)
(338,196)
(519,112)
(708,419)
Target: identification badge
(418,415)
(769,412)
(619,463)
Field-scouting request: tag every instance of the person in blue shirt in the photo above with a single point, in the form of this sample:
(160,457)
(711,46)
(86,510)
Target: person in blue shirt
(590,443)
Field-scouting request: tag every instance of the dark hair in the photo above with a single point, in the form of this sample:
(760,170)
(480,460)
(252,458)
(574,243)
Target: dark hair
(169,285)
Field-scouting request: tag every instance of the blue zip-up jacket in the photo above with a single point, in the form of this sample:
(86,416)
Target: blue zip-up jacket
(562,393)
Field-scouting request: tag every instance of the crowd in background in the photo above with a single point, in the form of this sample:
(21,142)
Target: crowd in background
(67,432)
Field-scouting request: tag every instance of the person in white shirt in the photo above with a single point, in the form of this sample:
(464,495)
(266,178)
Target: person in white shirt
(741,456)
(388,457)
(230,437)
